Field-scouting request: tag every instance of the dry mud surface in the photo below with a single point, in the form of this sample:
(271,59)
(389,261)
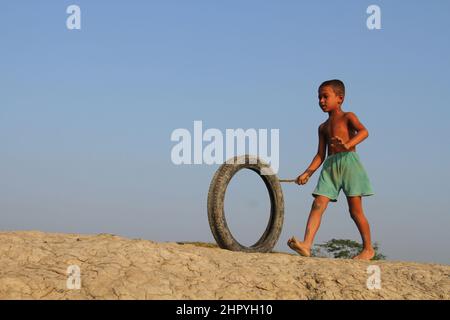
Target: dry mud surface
(34,265)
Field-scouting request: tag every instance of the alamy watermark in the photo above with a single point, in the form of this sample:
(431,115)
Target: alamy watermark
(373,22)
(73,277)
(374,280)
(73,21)
(221,148)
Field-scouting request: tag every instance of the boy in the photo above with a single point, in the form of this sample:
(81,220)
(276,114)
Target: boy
(342,169)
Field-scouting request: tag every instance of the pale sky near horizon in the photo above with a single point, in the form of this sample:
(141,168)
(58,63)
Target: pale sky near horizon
(86,115)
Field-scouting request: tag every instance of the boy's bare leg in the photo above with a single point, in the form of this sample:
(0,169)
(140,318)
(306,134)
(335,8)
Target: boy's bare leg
(357,213)
(315,216)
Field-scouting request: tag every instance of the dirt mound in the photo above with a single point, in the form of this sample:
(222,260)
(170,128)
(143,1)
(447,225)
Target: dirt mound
(36,265)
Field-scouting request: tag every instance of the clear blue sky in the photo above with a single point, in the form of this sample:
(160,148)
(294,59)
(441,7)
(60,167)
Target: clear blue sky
(86,116)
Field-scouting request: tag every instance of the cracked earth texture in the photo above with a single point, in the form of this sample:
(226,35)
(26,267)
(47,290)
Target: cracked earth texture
(33,265)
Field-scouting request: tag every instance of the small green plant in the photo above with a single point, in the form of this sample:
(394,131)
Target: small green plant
(342,249)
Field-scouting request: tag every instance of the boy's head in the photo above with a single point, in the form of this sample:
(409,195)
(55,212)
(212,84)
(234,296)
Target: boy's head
(331,95)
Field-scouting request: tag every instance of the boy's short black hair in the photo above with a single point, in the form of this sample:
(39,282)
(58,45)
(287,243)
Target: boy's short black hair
(337,85)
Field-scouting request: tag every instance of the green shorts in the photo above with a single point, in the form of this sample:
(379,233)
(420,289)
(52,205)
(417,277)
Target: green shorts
(343,170)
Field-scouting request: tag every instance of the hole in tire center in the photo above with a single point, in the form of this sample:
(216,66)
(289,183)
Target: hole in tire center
(247,207)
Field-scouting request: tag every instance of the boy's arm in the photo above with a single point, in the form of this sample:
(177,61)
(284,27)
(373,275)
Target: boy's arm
(362,132)
(317,161)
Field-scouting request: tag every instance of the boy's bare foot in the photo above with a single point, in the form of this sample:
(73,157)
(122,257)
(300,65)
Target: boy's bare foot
(365,254)
(300,247)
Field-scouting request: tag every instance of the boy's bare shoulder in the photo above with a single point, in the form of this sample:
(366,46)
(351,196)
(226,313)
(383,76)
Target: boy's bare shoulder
(323,125)
(350,115)
(353,121)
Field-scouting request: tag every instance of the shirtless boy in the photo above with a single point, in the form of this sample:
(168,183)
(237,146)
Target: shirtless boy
(342,169)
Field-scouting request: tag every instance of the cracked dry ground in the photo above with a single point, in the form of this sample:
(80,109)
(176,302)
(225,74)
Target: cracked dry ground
(33,265)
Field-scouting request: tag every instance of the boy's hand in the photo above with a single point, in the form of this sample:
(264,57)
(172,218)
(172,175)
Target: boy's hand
(303,178)
(337,142)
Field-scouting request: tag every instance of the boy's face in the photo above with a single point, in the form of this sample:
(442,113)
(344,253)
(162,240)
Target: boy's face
(328,100)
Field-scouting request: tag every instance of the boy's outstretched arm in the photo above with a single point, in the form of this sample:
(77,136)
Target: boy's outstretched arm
(362,132)
(317,161)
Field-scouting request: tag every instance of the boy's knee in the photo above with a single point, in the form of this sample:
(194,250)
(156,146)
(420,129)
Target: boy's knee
(355,213)
(319,203)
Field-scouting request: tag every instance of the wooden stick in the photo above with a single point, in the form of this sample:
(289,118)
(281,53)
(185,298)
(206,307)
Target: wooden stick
(287,180)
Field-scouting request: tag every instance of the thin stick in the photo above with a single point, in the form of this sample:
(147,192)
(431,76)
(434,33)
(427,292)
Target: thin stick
(287,180)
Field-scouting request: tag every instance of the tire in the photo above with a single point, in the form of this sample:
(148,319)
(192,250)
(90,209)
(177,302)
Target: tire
(216,197)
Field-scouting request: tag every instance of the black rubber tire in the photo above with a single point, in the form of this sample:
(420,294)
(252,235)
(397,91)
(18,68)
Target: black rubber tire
(216,197)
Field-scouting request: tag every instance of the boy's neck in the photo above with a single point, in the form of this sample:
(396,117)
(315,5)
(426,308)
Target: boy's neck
(336,112)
